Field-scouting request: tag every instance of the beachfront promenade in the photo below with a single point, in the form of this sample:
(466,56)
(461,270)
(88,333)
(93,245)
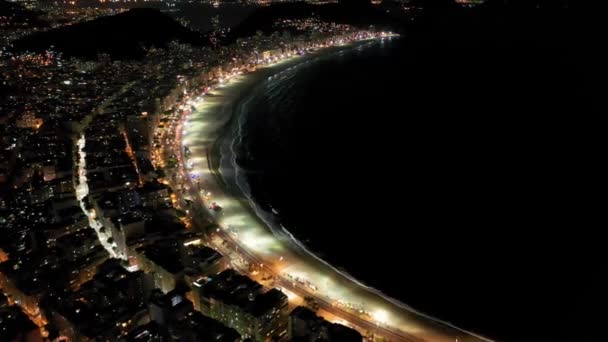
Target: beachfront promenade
(256,251)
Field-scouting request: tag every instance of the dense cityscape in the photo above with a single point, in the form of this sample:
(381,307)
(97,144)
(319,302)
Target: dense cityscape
(115,223)
(101,239)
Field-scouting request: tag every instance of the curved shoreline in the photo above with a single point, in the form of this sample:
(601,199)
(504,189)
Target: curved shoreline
(400,316)
(221,152)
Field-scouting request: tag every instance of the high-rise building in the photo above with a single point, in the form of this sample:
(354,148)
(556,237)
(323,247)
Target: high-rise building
(306,326)
(244,305)
(162,259)
(173,313)
(125,228)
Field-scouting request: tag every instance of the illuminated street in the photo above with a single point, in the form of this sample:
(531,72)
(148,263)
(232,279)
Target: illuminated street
(82,190)
(340,297)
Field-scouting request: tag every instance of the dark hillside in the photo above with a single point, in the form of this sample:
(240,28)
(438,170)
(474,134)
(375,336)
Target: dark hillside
(126,35)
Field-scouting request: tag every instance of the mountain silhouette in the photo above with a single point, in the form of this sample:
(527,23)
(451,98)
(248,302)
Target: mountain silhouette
(18,16)
(123,36)
(360,14)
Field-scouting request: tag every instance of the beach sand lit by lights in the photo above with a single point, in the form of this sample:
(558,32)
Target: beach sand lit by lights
(278,251)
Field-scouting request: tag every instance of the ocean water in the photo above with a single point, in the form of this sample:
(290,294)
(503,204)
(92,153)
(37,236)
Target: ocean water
(456,186)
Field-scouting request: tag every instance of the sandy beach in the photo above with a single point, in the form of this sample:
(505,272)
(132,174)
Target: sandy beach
(209,133)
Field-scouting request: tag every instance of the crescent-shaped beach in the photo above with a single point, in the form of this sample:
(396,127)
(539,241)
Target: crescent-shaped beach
(256,244)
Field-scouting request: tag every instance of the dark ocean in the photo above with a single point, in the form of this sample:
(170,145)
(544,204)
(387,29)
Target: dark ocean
(458,184)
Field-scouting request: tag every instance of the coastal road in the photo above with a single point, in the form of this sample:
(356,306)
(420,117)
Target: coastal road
(363,325)
(277,256)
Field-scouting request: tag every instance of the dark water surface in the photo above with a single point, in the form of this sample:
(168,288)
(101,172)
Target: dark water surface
(459,184)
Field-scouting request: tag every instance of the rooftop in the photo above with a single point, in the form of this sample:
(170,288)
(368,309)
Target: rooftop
(235,289)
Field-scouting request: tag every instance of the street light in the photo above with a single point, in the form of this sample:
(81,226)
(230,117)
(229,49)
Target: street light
(380,316)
